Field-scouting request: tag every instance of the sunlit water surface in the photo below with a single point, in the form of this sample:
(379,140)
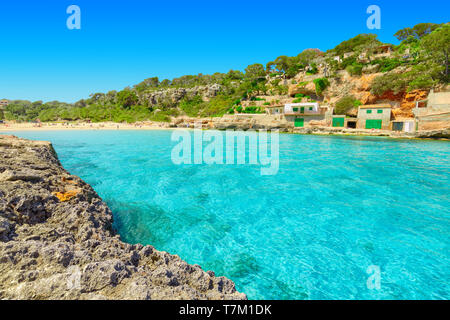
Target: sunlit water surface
(337,206)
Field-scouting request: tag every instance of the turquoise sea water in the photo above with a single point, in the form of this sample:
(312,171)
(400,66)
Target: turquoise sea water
(337,206)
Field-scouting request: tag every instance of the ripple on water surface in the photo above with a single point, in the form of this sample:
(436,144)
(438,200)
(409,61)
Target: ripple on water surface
(336,206)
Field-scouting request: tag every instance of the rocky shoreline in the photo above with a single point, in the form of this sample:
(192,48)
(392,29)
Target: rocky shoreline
(245,123)
(430,134)
(240,123)
(57,240)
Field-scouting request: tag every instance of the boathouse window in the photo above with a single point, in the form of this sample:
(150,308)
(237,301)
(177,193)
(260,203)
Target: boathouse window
(295,109)
(380,111)
(310,108)
(369,111)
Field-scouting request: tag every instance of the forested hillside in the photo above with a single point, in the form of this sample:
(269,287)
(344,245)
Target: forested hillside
(420,61)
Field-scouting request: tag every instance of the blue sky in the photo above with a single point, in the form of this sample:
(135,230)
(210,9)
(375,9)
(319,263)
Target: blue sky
(123,42)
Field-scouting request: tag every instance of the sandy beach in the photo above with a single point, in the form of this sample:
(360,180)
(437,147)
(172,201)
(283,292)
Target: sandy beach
(6,127)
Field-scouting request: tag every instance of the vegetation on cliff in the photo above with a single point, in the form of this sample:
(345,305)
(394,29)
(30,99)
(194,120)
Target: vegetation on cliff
(420,61)
(345,104)
(429,52)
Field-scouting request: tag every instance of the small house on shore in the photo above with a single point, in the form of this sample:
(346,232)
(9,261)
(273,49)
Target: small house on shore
(4,103)
(302,114)
(377,116)
(404,125)
(341,121)
(338,59)
(383,51)
(274,110)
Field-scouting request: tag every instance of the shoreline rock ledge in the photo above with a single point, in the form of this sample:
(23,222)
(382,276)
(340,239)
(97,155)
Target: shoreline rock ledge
(57,240)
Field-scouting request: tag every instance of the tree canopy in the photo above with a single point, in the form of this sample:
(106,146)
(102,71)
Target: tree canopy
(356,43)
(418,31)
(255,72)
(437,45)
(425,66)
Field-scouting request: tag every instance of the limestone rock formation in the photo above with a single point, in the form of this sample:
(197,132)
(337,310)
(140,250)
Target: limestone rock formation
(57,240)
(434,134)
(307,88)
(176,94)
(250,122)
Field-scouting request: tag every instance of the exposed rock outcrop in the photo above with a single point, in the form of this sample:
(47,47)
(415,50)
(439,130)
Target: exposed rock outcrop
(429,134)
(176,94)
(251,122)
(434,134)
(343,84)
(307,88)
(57,241)
(402,103)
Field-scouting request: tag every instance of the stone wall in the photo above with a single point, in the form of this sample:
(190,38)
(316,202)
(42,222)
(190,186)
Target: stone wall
(434,122)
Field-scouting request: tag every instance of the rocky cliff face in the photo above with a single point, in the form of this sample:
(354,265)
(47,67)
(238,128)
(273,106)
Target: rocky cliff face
(176,94)
(343,84)
(57,242)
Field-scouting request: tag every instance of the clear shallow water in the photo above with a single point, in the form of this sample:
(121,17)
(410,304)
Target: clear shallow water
(336,206)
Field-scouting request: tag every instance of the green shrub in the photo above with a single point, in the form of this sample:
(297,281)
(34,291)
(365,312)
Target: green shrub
(321,84)
(422,76)
(389,82)
(293,70)
(313,70)
(275,82)
(355,69)
(192,105)
(344,104)
(127,98)
(387,65)
(257,99)
(252,110)
(217,106)
(347,62)
(266,103)
(282,89)
(360,40)
(160,117)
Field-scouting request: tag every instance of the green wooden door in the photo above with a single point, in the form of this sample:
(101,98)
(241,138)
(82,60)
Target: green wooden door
(373,124)
(302,110)
(299,122)
(338,122)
